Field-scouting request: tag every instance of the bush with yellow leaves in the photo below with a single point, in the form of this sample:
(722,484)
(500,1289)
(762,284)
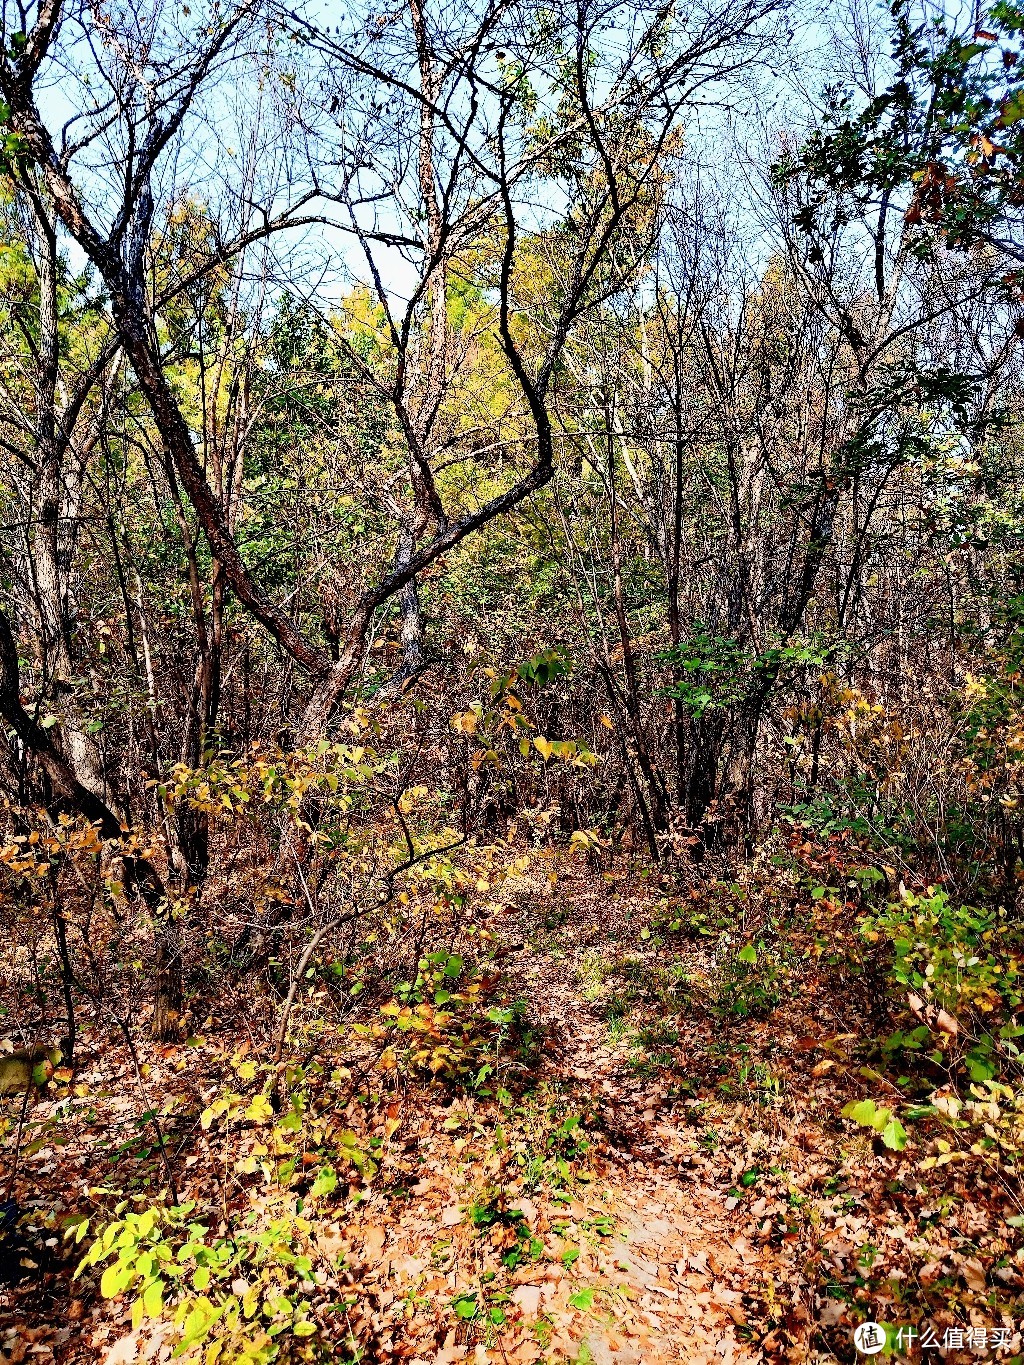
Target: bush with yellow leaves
(451,1023)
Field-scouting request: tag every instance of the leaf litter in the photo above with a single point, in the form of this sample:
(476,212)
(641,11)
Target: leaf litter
(720,1208)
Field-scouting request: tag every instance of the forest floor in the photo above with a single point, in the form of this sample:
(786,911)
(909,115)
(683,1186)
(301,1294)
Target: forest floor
(718,1209)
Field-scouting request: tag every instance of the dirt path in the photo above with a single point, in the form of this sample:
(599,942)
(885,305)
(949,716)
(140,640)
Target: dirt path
(683,1273)
(670,1280)
(657,1273)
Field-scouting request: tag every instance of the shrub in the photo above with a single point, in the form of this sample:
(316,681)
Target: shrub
(451,1023)
(962,957)
(238,1299)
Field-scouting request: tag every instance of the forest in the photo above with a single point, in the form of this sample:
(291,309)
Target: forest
(511,682)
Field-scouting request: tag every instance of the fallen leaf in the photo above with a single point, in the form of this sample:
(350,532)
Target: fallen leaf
(528,1297)
(974,1275)
(122,1352)
(528,1209)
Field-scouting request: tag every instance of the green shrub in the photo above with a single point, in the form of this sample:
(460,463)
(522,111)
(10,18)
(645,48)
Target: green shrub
(238,1299)
(451,1022)
(961,957)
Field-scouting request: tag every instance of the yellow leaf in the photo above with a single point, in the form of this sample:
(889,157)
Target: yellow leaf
(544,747)
(114,1279)
(260,1110)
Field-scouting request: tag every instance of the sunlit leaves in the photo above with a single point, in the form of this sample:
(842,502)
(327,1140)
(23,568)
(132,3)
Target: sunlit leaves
(880,1120)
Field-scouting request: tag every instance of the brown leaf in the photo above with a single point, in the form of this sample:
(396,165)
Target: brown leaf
(974,1275)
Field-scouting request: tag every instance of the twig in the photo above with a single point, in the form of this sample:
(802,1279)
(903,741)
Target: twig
(150,1110)
(303,962)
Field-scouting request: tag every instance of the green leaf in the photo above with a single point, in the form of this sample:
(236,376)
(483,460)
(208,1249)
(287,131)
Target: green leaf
(583,1299)
(916,1112)
(304,1328)
(199,1322)
(865,1113)
(894,1135)
(326,1182)
(747,954)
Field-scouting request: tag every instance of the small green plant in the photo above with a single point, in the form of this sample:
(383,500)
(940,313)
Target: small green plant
(567,1141)
(880,1120)
(961,956)
(456,1026)
(751,983)
(519,1243)
(234,1296)
(759,1078)
(660,1034)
